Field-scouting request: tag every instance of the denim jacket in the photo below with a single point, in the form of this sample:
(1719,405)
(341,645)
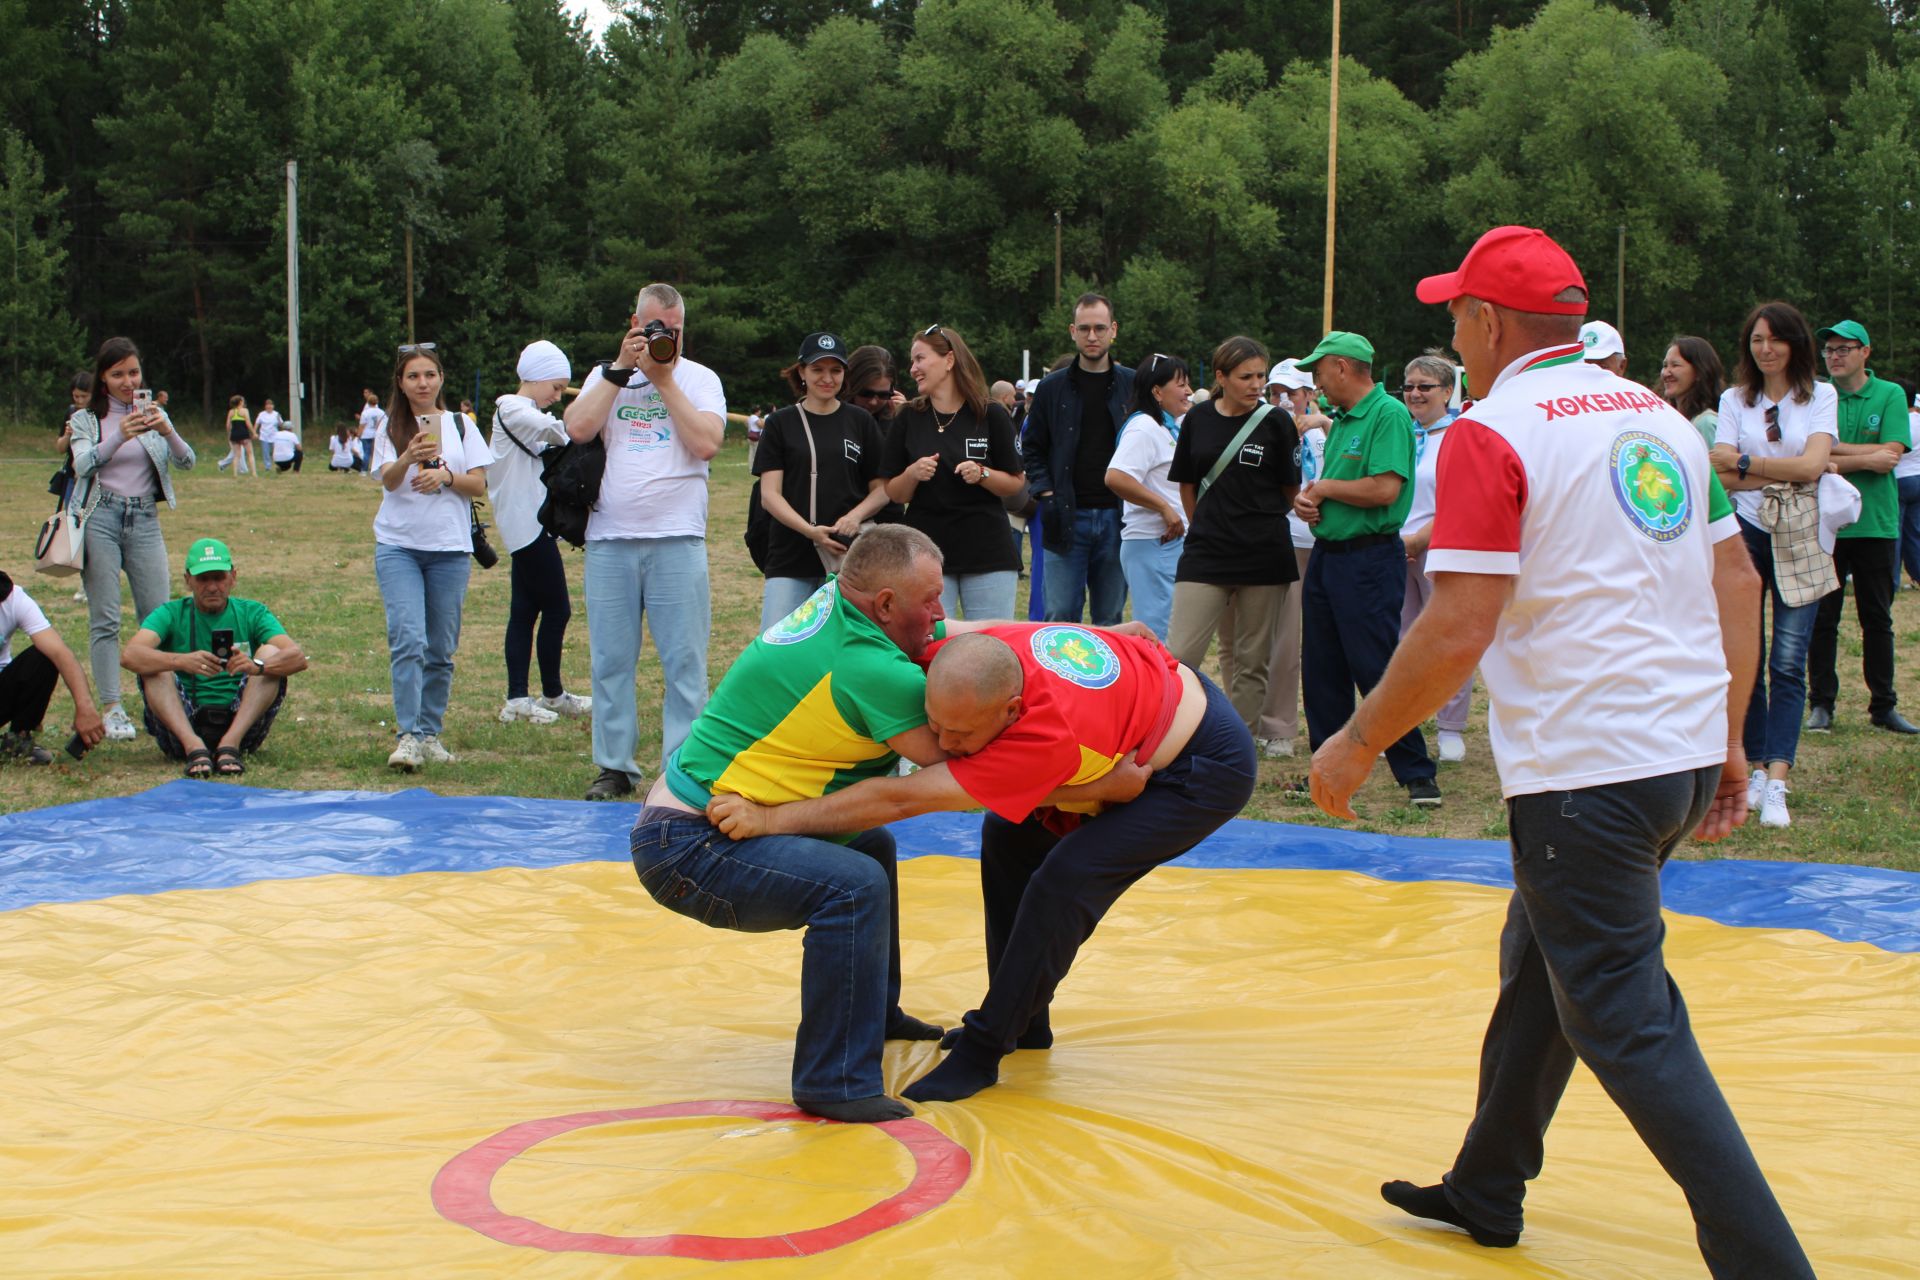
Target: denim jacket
(87,461)
(1051,439)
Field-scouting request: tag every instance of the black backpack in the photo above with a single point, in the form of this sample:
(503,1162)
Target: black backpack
(759,535)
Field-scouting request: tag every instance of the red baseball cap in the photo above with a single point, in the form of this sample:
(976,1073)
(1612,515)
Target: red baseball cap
(1517,267)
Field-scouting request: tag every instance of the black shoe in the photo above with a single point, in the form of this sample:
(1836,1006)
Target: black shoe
(610,785)
(1894,722)
(1820,720)
(22,747)
(1424,792)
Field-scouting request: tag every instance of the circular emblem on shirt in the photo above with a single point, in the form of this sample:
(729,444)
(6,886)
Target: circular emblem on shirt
(1076,655)
(804,621)
(1650,486)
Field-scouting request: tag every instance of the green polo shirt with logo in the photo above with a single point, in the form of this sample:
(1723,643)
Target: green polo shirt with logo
(1372,438)
(1875,414)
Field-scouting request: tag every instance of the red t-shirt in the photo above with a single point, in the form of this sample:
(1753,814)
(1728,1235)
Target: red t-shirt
(1090,698)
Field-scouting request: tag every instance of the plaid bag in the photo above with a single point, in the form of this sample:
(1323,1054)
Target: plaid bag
(1802,572)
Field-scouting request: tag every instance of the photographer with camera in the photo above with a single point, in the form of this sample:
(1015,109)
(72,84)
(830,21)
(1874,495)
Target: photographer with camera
(27,682)
(211,666)
(661,417)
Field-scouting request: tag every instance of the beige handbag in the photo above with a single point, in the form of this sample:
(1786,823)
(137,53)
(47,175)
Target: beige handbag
(61,549)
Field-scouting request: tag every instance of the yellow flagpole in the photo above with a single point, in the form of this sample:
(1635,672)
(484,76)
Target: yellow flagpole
(1333,155)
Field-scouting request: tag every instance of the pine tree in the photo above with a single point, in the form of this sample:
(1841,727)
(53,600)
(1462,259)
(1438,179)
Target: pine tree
(39,342)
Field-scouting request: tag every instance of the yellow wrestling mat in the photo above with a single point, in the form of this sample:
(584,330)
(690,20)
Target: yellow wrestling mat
(350,1075)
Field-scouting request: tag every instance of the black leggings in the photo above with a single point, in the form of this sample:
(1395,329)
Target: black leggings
(26,687)
(539,590)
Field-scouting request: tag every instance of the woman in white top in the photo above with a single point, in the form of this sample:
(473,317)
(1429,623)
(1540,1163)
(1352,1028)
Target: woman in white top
(124,451)
(345,448)
(1153,528)
(1776,427)
(1428,390)
(1906,474)
(431,466)
(522,431)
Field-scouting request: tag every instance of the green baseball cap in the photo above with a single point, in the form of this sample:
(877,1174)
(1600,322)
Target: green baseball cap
(1852,330)
(209,555)
(1340,343)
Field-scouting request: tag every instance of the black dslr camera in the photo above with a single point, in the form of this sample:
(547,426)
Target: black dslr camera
(663,344)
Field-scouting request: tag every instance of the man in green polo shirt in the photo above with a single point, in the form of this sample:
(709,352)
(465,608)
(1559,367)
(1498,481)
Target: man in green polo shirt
(1357,572)
(1873,435)
(211,666)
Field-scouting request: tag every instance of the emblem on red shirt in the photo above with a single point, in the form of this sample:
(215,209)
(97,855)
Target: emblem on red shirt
(1076,655)
(1650,486)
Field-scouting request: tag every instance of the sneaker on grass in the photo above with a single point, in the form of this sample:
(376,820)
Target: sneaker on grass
(433,751)
(406,755)
(119,727)
(567,704)
(526,709)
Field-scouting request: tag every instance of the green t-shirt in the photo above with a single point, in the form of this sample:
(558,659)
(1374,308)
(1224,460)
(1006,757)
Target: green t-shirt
(182,628)
(1373,437)
(805,711)
(1875,414)
(1719,505)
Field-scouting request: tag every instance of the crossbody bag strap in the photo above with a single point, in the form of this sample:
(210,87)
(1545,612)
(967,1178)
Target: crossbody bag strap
(813,468)
(1227,454)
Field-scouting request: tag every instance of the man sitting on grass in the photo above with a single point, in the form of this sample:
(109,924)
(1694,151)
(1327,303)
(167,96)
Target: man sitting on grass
(211,665)
(27,682)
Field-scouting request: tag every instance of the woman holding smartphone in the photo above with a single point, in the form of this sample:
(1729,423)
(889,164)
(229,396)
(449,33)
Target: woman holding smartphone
(124,452)
(431,467)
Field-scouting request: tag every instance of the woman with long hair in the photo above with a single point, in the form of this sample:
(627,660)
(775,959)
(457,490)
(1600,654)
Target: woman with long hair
(240,429)
(1777,426)
(1691,380)
(950,457)
(1153,527)
(431,466)
(124,452)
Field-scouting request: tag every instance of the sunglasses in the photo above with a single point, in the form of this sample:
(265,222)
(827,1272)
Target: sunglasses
(931,331)
(410,348)
(1422,387)
(874,393)
(1773,424)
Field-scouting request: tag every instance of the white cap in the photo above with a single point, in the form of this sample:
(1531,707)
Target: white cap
(543,362)
(1601,340)
(1290,375)
(1201,395)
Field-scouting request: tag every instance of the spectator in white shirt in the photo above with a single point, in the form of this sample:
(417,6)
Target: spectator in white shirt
(1153,527)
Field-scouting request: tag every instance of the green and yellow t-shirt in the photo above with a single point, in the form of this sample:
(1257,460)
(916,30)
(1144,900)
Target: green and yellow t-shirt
(182,628)
(1373,437)
(805,711)
(1875,414)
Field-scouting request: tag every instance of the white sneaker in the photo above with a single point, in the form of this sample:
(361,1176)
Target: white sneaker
(119,727)
(567,704)
(1453,747)
(1773,807)
(1276,748)
(1756,788)
(80,595)
(433,751)
(406,755)
(526,709)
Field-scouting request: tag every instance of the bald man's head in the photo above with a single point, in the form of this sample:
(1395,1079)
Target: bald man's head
(973,692)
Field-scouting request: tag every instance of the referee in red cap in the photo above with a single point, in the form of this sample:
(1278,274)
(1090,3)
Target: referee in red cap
(1581,532)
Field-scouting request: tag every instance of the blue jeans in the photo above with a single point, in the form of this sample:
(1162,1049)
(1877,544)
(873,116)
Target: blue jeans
(979,595)
(1149,565)
(424,592)
(1772,731)
(1909,530)
(663,580)
(121,534)
(846,896)
(1582,975)
(1091,573)
(781,596)
(1349,627)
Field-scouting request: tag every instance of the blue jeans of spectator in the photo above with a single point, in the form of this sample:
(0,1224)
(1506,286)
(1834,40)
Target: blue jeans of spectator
(121,534)
(1772,731)
(846,896)
(1091,573)
(1582,975)
(980,595)
(781,596)
(664,581)
(424,593)
(1909,530)
(1149,565)
(1349,627)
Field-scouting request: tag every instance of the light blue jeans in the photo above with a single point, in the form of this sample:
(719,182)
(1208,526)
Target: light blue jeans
(1150,566)
(781,596)
(980,595)
(424,592)
(122,534)
(664,580)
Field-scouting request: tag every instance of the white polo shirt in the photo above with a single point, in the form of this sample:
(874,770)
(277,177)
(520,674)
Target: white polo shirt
(1596,497)
(1745,426)
(654,486)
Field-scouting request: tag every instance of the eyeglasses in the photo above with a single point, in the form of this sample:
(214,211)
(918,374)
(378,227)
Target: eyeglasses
(1090,330)
(409,348)
(1422,387)
(1840,349)
(1773,424)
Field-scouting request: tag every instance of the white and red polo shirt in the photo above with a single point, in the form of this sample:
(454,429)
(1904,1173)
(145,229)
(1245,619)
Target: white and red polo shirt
(1596,497)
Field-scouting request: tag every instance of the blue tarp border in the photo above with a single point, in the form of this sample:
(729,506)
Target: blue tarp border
(192,835)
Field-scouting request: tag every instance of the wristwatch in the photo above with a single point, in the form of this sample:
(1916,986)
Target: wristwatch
(260,666)
(1745,461)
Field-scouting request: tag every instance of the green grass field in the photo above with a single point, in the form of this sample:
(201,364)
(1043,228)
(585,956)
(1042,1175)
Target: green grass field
(304,545)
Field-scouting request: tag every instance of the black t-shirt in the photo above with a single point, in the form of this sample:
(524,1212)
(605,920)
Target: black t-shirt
(1238,536)
(849,445)
(1093,451)
(966,521)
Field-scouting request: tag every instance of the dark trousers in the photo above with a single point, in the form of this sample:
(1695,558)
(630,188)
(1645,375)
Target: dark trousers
(539,582)
(1044,893)
(1349,625)
(1582,975)
(26,687)
(1873,564)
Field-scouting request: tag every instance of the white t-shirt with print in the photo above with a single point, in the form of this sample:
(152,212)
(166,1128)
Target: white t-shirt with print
(1745,425)
(654,485)
(372,418)
(437,521)
(513,481)
(1145,452)
(18,612)
(1313,456)
(1593,495)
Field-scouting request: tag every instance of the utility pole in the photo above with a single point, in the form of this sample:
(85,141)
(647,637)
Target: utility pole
(410,281)
(1333,154)
(293,294)
(1056,259)
(1620,287)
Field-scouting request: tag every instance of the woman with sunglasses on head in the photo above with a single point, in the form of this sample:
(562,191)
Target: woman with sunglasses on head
(431,465)
(1428,389)
(1153,527)
(1777,426)
(950,457)
(1691,380)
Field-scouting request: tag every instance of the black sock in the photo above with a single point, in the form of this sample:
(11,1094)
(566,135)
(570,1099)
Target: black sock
(904,1026)
(964,1072)
(1431,1202)
(1038,1035)
(872,1110)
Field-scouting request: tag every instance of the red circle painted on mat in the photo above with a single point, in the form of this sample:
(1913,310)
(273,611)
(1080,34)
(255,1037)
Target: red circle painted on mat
(463,1189)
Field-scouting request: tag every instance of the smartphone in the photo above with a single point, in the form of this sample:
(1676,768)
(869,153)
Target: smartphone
(222,647)
(76,746)
(142,400)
